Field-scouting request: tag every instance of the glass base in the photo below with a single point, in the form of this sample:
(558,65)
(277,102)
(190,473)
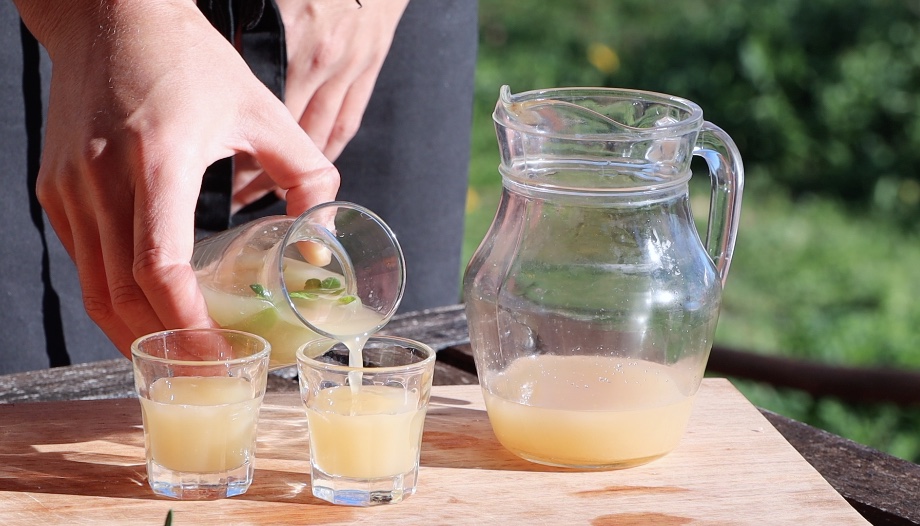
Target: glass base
(588,466)
(363,492)
(199,486)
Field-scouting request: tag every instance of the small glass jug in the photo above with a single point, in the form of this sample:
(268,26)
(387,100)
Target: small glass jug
(336,271)
(592,303)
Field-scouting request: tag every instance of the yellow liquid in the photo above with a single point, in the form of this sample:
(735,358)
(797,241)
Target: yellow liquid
(243,310)
(587,411)
(200,424)
(371,432)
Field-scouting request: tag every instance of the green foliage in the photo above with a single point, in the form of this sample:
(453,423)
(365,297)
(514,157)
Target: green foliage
(822,98)
(813,282)
(816,282)
(820,95)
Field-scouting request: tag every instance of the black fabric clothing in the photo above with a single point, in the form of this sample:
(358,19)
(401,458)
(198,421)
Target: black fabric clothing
(261,34)
(408,163)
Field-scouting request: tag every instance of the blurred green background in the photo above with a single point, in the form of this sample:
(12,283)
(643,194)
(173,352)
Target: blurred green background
(823,99)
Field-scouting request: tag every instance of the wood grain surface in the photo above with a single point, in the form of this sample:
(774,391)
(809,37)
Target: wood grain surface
(81,462)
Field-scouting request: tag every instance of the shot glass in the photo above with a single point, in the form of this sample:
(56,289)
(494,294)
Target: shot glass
(200,392)
(365,421)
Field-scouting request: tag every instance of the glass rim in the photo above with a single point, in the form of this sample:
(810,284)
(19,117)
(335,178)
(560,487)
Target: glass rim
(136,352)
(340,254)
(399,340)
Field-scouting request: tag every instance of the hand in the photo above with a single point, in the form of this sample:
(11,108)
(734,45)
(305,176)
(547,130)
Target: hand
(335,51)
(144,96)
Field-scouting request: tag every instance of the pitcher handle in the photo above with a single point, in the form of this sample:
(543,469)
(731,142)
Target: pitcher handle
(727,177)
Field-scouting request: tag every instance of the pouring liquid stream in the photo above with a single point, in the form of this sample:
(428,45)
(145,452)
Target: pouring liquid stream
(353,329)
(355,359)
(347,320)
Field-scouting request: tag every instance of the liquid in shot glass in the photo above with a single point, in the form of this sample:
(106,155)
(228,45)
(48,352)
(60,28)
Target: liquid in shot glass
(200,392)
(365,420)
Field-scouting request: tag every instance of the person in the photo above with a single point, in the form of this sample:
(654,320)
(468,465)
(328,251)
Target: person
(160,119)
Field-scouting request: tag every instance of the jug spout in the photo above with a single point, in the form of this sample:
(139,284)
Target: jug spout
(556,115)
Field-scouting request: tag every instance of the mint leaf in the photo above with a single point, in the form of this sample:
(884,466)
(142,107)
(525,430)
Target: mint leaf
(312,284)
(331,283)
(304,295)
(261,291)
(345,300)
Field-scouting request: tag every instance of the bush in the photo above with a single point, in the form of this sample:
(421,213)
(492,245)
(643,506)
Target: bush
(820,95)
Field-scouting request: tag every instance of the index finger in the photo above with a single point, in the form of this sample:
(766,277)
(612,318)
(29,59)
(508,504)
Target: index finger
(164,240)
(292,160)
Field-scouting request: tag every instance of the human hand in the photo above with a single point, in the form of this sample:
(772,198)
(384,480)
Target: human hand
(144,96)
(335,51)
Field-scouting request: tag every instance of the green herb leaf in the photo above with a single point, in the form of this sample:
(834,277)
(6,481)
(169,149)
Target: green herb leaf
(345,300)
(331,283)
(168,519)
(312,284)
(304,295)
(261,291)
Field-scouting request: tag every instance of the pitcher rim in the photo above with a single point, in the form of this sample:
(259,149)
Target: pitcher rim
(693,121)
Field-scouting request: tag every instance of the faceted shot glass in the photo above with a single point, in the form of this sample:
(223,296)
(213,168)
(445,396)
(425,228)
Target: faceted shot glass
(200,392)
(365,420)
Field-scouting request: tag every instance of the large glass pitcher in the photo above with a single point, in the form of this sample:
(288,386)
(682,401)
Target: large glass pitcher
(592,302)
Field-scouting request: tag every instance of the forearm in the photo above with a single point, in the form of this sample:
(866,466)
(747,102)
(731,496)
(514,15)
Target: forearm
(61,24)
(47,19)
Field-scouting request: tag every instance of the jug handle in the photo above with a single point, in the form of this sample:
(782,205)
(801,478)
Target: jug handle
(727,177)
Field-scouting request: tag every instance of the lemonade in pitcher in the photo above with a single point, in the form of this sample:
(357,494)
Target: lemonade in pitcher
(587,410)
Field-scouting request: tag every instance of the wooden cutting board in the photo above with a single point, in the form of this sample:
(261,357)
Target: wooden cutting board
(82,462)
